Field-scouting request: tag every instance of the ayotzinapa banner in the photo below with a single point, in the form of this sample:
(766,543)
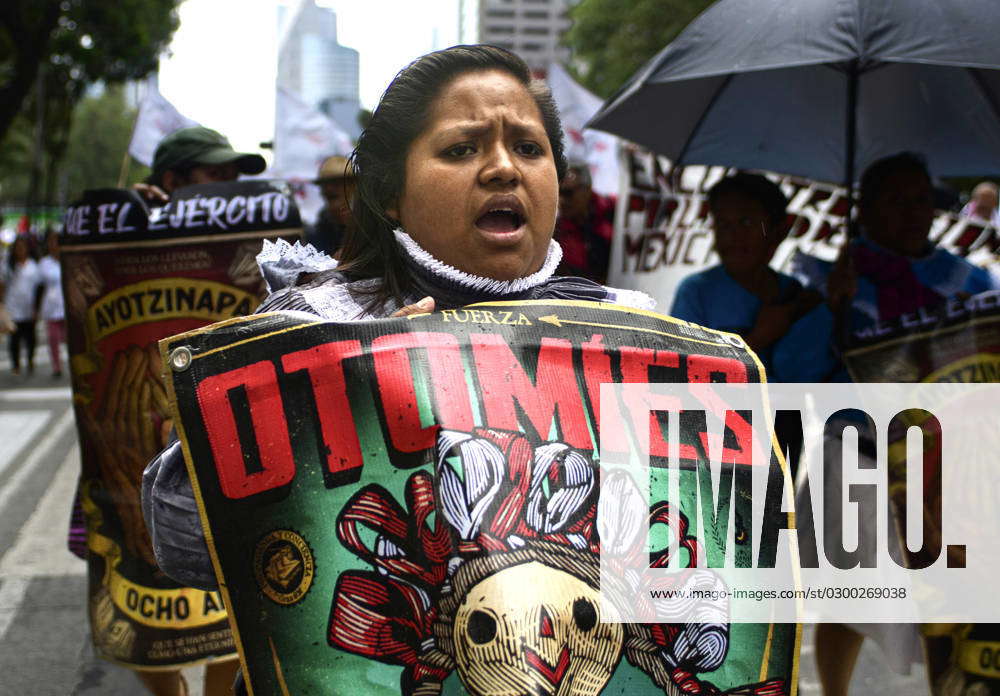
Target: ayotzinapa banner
(958,341)
(125,288)
(408,506)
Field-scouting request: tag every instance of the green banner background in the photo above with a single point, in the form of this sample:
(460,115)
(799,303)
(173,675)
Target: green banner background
(335,560)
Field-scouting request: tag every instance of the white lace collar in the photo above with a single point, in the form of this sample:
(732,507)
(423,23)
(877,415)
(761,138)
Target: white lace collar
(479,284)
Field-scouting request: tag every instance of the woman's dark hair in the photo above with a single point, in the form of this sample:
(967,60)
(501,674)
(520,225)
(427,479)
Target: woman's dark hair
(878,173)
(757,187)
(370,249)
(21,238)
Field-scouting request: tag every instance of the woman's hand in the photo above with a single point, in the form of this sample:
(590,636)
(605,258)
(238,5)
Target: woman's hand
(151,192)
(424,306)
(773,322)
(842,282)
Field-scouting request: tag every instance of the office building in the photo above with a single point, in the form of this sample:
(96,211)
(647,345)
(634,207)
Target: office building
(530,28)
(312,65)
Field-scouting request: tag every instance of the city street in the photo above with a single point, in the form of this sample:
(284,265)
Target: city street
(44,640)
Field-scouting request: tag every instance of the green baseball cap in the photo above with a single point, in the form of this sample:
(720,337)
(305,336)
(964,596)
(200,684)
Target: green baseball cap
(189,147)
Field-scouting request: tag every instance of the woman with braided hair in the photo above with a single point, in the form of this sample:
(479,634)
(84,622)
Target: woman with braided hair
(457,192)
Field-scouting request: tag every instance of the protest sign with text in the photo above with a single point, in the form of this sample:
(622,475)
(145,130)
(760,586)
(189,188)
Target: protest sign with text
(130,278)
(411,505)
(956,343)
(663,229)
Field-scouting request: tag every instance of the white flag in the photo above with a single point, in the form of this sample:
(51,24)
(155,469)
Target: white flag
(157,119)
(303,138)
(599,150)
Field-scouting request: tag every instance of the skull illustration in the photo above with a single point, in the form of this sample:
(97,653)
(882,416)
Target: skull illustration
(506,587)
(534,629)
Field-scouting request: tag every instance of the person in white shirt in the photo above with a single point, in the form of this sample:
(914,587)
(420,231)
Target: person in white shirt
(21,284)
(52,313)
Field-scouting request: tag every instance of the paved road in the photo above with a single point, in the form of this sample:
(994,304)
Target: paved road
(44,638)
(44,641)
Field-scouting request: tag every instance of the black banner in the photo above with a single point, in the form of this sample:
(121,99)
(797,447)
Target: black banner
(125,288)
(408,506)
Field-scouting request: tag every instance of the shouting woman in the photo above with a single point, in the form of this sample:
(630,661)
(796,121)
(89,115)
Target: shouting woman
(457,193)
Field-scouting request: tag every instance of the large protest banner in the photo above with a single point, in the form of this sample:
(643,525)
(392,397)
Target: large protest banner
(663,229)
(131,277)
(957,342)
(408,506)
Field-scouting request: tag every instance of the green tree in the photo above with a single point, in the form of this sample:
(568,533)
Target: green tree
(90,157)
(16,161)
(98,142)
(79,42)
(611,40)
(50,52)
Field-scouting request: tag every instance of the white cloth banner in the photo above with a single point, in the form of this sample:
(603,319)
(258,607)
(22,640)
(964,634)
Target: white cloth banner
(303,138)
(599,150)
(157,119)
(663,230)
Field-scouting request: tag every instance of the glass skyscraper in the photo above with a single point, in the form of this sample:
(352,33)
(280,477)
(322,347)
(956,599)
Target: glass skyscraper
(319,70)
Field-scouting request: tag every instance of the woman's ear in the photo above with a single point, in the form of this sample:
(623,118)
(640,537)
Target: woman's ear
(392,212)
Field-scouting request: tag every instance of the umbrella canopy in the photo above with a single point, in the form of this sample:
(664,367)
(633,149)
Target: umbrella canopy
(822,88)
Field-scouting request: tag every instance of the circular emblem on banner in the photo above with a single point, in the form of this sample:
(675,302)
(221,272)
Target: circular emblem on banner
(283,565)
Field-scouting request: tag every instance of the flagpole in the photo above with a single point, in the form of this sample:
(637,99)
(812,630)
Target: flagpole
(126,158)
(123,172)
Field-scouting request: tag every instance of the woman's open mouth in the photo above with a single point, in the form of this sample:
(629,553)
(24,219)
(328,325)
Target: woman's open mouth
(502,218)
(500,221)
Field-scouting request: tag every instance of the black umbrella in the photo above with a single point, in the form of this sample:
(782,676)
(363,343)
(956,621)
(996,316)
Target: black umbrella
(822,88)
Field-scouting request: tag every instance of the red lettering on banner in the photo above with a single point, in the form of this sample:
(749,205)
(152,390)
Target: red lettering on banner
(711,368)
(652,207)
(651,257)
(597,371)
(325,364)
(635,364)
(267,414)
(394,372)
(701,368)
(635,368)
(694,235)
(504,380)
(633,247)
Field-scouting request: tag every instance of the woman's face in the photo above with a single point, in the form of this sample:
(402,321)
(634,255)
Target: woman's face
(745,237)
(900,216)
(481,189)
(20,249)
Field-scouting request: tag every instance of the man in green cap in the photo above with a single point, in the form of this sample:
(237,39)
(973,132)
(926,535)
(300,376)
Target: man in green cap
(196,155)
